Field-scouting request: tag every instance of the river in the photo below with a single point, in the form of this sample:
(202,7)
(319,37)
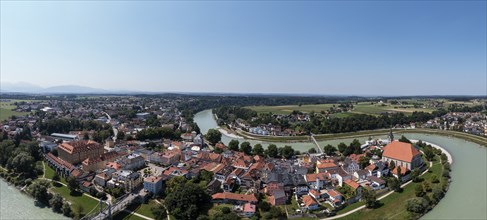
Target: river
(467,196)
(16,205)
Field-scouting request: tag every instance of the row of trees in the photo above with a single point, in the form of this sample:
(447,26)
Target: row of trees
(39,190)
(61,125)
(158,133)
(428,193)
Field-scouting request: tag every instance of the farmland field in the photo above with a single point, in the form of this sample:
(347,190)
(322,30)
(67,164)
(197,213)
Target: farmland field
(360,108)
(6,110)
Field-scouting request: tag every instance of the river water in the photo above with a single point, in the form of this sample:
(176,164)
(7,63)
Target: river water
(16,205)
(467,196)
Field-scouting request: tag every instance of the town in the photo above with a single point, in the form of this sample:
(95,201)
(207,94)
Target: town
(126,151)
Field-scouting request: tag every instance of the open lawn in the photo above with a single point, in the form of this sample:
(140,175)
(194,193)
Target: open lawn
(49,172)
(143,209)
(76,199)
(6,113)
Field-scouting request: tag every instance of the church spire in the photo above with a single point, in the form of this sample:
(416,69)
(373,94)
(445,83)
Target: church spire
(391,136)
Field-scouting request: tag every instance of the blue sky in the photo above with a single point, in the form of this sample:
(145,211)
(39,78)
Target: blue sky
(327,47)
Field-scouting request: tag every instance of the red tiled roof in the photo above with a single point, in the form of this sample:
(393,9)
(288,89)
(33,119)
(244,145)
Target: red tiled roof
(400,151)
(352,184)
(326,165)
(308,200)
(312,177)
(333,193)
(78,146)
(235,196)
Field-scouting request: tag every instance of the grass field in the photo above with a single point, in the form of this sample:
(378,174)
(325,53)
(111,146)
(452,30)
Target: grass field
(287,109)
(6,109)
(77,199)
(360,108)
(143,209)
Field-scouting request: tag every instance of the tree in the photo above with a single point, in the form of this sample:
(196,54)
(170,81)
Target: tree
(417,205)
(56,203)
(392,165)
(213,136)
(438,193)
(66,209)
(434,179)
(364,162)
(39,191)
(418,190)
(120,135)
(187,201)
(258,150)
(56,177)
(159,212)
(342,147)
(399,173)
(272,151)
(427,186)
(429,153)
(78,211)
(287,152)
(404,139)
(394,184)
(329,150)
(312,151)
(72,184)
(246,148)
(86,136)
(22,163)
(370,198)
(264,206)
(233,145)
(415,175)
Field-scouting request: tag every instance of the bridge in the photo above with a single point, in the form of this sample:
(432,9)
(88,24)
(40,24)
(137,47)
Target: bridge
(110,209)
(316,143)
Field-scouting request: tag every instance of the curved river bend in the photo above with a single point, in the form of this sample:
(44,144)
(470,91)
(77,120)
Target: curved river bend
(467,196)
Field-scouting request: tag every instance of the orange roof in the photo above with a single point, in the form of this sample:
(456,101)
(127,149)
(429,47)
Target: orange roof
(314,192)
(352,183)
(78,146)
(308,200)
(235,196)
(312,177)
(333,193)
(326,165)
(400,151)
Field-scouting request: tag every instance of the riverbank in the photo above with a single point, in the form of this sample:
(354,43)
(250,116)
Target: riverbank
(16,204)
(443,150)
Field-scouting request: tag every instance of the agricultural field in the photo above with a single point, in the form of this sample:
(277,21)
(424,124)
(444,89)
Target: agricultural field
(360,108)
(6,110)
(287,109)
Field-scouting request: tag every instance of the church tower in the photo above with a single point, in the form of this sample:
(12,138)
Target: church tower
(391,136)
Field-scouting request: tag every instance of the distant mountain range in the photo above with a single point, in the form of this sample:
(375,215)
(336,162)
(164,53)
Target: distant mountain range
(23,87)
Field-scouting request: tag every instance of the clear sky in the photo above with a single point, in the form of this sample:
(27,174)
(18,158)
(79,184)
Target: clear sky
(325,47)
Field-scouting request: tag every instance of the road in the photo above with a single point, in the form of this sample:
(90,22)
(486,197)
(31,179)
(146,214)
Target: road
(115,131)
